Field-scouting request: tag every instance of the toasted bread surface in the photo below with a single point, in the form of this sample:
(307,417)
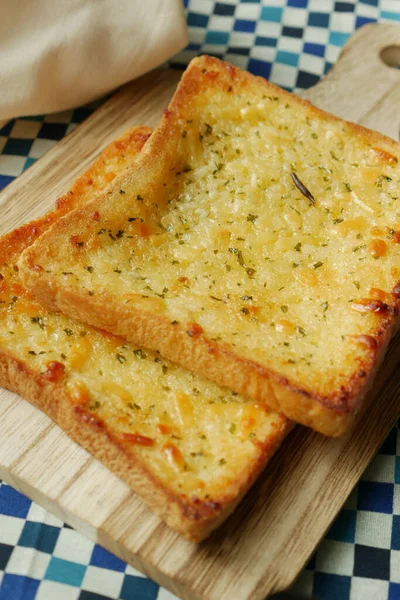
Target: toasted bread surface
(190,448)
(256,241)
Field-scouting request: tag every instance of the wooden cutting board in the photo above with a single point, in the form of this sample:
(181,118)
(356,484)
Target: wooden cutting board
(264,545)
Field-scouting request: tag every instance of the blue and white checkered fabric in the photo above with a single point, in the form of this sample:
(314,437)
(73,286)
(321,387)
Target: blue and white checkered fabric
(293,43)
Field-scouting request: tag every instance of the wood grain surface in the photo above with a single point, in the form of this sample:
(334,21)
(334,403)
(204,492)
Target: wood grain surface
(263,546)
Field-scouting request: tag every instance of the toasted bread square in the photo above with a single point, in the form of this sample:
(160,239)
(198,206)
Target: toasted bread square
(255,241)
(190,448)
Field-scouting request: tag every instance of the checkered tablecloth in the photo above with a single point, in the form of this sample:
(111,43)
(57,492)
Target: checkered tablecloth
(293,43)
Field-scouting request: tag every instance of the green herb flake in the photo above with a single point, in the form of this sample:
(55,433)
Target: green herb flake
(333,155)
(95,405)
(218,299)
(218,167)
(121,358)
(39,321)
(252,218)
(318,264)
(239,255)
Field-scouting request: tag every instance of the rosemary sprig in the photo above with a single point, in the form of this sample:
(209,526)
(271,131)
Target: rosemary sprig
(302,188)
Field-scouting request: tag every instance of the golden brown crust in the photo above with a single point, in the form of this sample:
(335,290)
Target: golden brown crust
(192,517)
(330,413)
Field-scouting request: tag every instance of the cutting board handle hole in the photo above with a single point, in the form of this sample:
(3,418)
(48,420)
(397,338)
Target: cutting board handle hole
(391,56)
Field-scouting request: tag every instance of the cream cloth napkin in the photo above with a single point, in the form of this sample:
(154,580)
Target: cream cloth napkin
(56,54)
